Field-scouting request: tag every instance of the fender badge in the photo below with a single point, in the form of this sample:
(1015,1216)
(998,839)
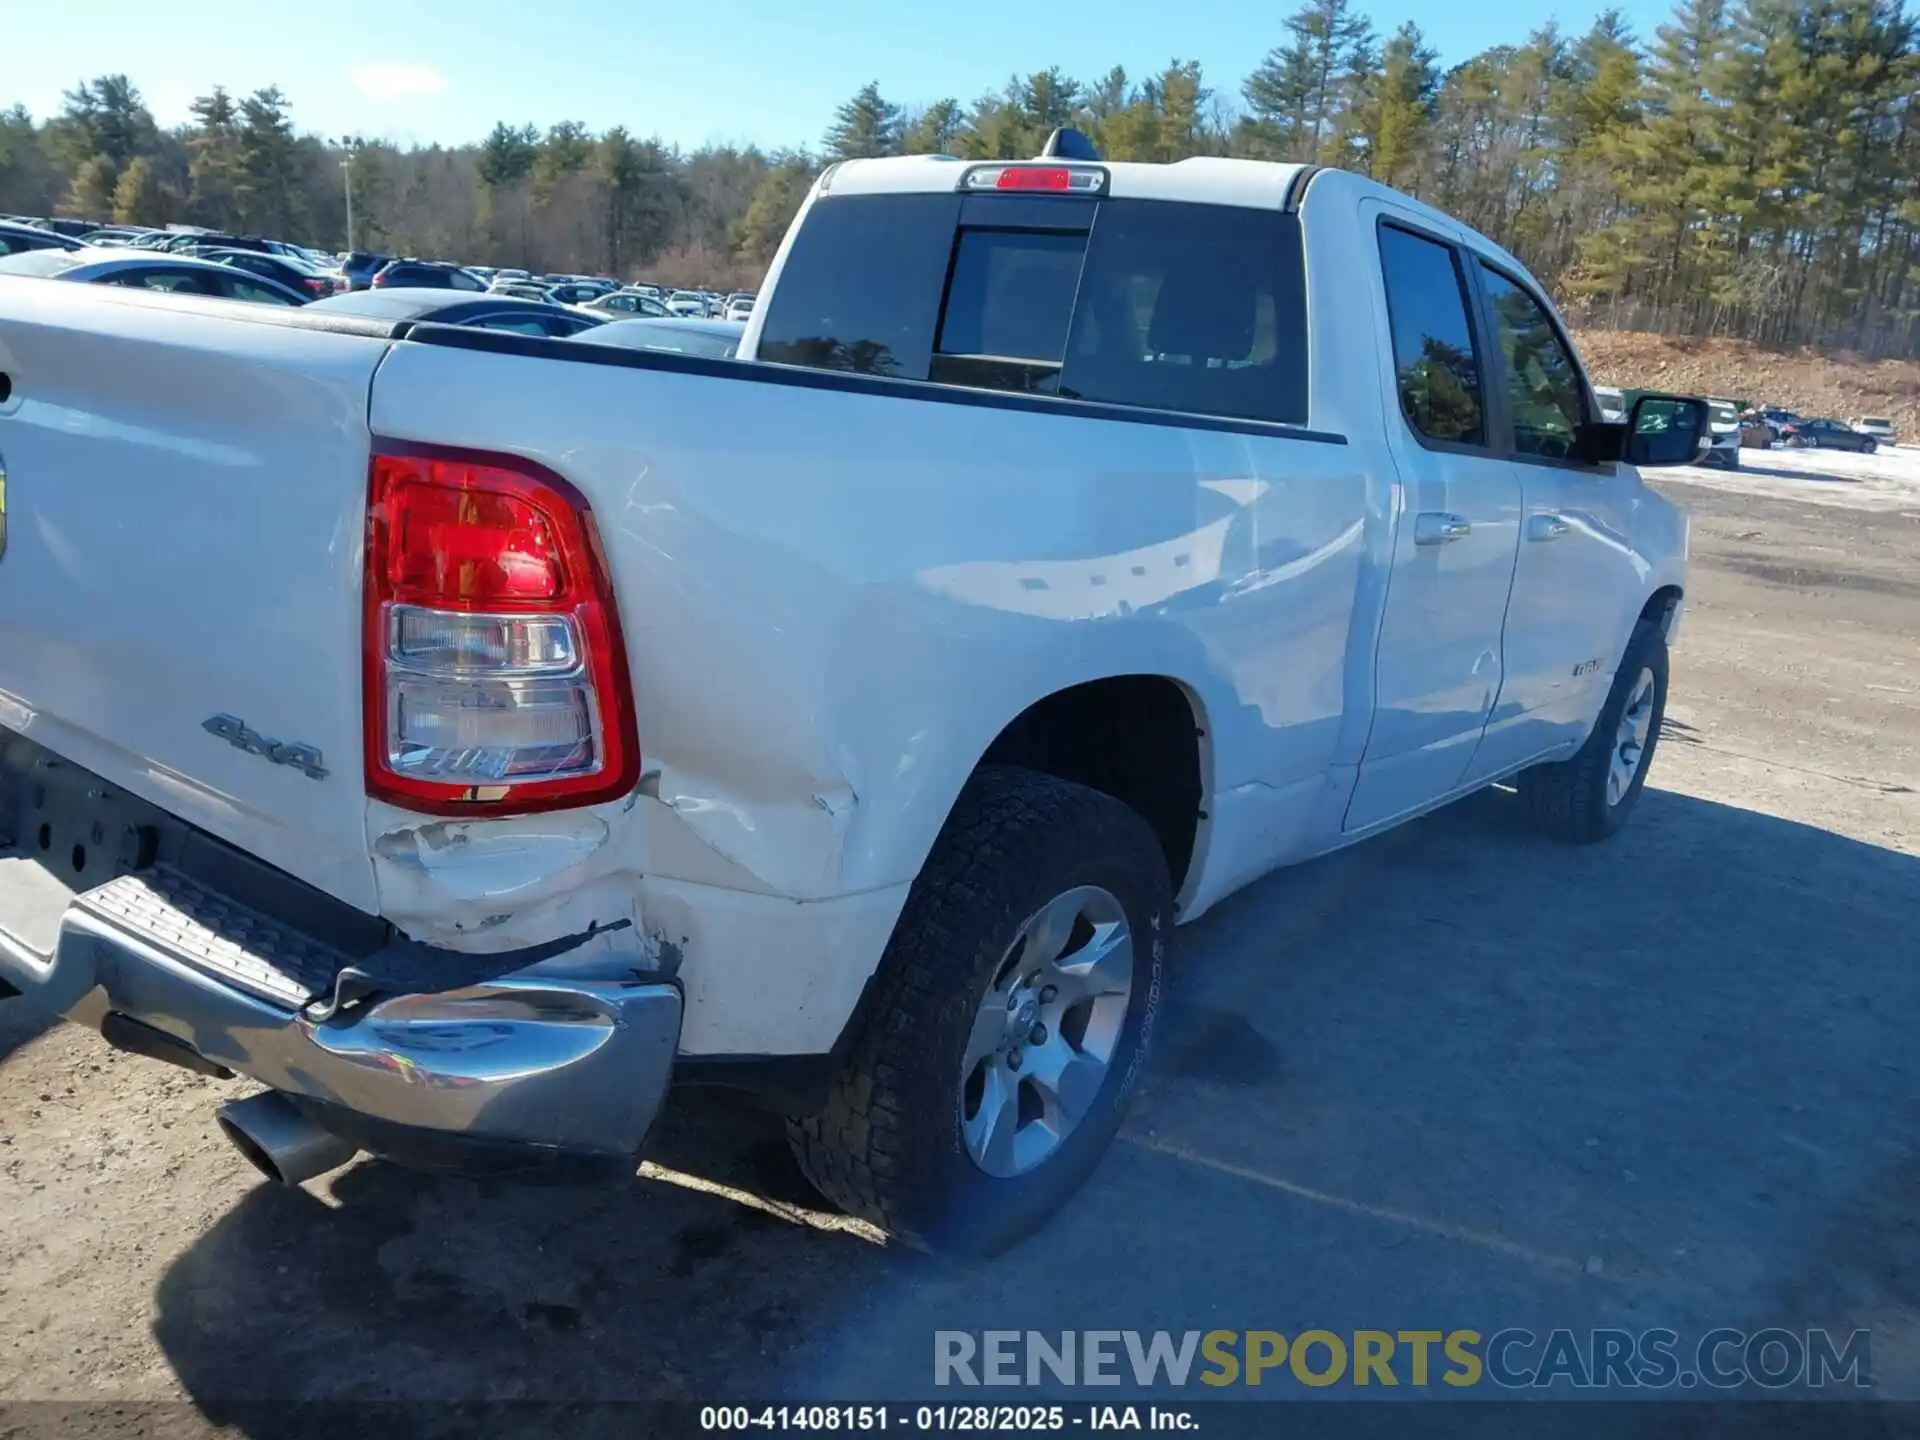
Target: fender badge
(236,732)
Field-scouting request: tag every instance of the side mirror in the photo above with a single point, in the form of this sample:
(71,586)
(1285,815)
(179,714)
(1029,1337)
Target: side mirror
(1666,430)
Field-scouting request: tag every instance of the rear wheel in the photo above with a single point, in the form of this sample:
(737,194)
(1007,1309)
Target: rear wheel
(1589,796)
(1015,1008)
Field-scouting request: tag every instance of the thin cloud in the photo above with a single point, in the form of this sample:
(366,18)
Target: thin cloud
(386,81)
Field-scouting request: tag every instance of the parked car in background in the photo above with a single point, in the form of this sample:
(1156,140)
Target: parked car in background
(1778,420)
(1755,433)
(577,292)
(677,335)
(1879,427)
(739,307)
(626,304)
(687,302)
(294,274)
(15,239)
(426,275)
(1723,425)
(520,290)
(118,235)
(142,270)
(361,266)
(1612,402)
(189,242)
(1824,434)
(478,312)
(72,229)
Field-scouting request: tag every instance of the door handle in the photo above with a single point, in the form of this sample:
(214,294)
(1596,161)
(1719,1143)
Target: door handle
(1436,527)
(1546,527)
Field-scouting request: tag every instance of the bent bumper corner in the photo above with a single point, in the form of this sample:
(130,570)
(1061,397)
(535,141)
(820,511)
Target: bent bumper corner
(541,1070)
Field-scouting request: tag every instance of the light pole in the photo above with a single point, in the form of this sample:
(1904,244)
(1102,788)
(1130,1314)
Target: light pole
(346,170)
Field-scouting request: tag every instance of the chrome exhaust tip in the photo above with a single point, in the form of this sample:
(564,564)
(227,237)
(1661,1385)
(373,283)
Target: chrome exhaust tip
(280,1142)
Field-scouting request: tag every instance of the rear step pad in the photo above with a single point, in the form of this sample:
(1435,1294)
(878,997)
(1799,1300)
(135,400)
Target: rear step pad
(207,930)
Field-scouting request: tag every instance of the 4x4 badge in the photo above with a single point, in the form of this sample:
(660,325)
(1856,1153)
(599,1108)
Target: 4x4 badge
(236,732)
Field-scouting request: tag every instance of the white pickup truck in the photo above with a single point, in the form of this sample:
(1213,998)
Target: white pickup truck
(468,735)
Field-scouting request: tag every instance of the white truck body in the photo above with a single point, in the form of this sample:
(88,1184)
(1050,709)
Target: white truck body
(835,592)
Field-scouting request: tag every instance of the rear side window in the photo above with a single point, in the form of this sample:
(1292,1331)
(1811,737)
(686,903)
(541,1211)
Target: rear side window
(1437,370)
(1194,308)
(1197,308)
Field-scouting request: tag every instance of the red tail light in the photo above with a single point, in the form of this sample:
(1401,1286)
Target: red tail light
(496,678)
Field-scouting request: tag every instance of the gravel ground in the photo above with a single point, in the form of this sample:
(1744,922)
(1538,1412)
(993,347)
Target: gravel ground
(1452,1078)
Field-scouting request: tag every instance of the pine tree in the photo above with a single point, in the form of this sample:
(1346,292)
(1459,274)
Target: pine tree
(776,200)
(934,129)
(266,199)
(867,125)
(507,155)
(1294,96)
(213,167)
(1389,123)
(30,183)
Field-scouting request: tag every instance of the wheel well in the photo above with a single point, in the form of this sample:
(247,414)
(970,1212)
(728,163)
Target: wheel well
(1660,603)
(1134,737)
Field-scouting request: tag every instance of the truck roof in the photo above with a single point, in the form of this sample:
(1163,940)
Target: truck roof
(1197,180)
(1200,179)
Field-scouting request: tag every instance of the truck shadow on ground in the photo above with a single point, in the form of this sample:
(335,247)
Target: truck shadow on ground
(1453,1020)
(22,1022)
(1776,472)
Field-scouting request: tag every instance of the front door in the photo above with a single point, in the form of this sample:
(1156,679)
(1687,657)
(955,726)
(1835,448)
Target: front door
(1564,632)
(1438,663)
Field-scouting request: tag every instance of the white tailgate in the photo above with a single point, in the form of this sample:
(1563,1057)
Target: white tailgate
(185,492)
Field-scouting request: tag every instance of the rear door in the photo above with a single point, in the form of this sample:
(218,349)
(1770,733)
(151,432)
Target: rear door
(186,497)
(1438,662)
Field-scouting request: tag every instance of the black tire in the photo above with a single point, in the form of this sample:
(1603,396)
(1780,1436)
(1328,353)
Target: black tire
(1869,448)
(1568,800)
(887,1146)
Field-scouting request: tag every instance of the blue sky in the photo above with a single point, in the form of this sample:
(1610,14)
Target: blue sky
(767,71)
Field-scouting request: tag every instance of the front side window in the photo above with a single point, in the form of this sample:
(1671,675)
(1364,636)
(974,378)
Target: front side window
(1436,367)
(1543,383)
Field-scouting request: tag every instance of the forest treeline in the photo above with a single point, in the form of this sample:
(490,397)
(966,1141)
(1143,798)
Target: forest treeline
(1750,169)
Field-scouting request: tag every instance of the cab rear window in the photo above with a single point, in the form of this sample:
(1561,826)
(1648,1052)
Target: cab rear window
(1169,306)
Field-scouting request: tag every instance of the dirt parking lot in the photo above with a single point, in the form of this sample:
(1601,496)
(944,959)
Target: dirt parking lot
(1452,1078)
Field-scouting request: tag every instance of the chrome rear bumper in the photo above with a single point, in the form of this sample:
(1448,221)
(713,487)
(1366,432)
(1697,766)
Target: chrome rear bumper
(563,1060)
